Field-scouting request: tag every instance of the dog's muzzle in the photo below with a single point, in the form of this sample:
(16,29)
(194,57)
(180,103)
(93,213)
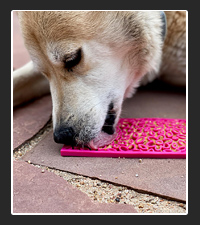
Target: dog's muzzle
(67,135)
(107,134)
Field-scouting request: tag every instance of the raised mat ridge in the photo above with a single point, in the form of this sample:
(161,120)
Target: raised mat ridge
(141,138)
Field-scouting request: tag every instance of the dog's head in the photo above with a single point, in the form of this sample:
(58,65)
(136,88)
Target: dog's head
(93,60)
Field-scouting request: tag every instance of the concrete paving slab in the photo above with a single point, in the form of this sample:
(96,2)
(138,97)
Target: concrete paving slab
(28,119)
(157,99)
(37,192)
(165,177)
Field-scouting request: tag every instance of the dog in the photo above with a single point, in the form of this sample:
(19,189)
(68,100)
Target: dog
(91,61)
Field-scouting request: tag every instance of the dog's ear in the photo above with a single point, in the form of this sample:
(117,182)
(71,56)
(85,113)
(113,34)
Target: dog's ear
(164,24)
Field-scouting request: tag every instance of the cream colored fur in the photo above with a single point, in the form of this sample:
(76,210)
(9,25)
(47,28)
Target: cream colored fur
(120,50)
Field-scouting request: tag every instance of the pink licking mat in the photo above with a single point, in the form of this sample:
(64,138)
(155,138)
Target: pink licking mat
(141,138)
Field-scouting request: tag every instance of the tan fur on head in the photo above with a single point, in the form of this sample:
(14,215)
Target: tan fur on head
(115,51)
(136,35)
(173,69)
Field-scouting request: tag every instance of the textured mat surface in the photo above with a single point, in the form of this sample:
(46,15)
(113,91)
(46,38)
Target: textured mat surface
(142,137)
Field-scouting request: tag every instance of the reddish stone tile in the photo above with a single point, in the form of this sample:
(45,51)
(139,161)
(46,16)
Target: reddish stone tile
(28,119)
(156,100)
(36,192)
(166,177)
(20,54)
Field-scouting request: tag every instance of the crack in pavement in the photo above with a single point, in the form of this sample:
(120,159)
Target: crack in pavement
(104,191)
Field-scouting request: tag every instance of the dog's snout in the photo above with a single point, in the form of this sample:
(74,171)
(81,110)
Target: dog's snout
(64,135)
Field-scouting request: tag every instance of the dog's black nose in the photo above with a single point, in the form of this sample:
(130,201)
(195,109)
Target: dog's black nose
(64,135)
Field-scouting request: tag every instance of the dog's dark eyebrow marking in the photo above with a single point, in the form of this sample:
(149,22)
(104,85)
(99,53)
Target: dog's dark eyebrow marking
(72,59)
(72,55)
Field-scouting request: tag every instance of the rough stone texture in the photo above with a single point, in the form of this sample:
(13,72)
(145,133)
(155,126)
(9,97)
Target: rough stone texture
(30,118)
(35,191)
(156,100)
(166,177)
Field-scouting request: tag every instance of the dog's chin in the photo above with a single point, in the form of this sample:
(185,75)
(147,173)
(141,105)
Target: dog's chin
(102,140)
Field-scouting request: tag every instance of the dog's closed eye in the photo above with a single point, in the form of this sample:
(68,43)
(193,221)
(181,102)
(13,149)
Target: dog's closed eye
(72,59)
